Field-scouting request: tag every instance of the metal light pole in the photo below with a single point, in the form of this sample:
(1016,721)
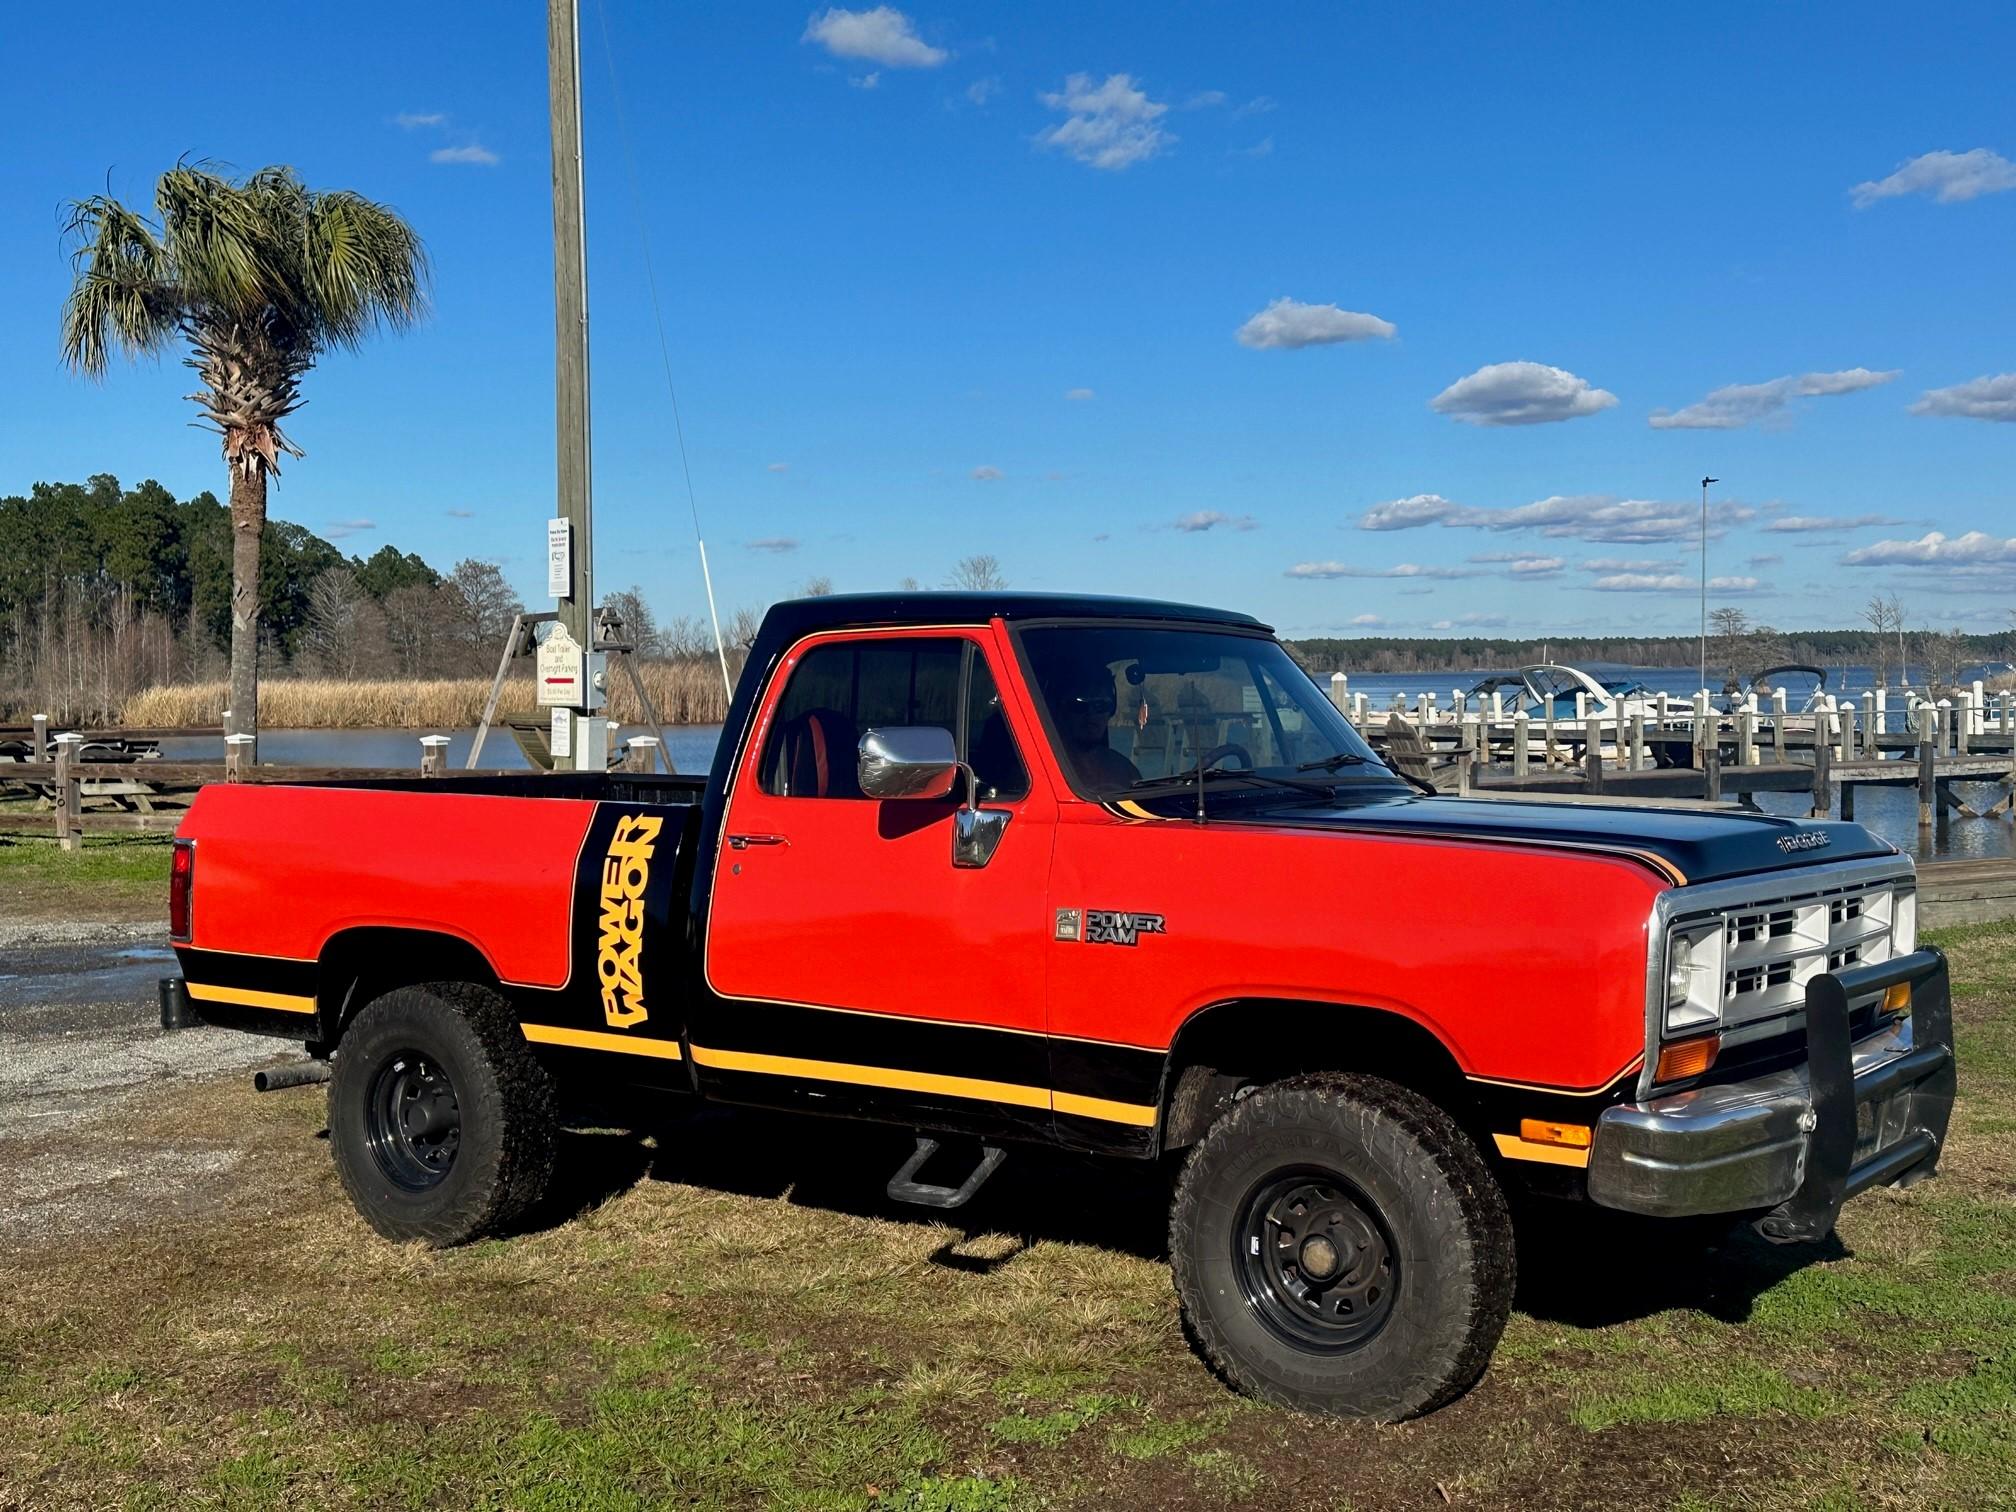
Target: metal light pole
(1704,578)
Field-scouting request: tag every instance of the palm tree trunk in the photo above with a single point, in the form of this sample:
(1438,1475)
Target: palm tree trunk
(248,522)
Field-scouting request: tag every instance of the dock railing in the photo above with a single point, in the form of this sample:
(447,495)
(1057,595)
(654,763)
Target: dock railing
(1688,749)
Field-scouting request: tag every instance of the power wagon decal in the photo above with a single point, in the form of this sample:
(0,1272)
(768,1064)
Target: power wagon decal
(619,952)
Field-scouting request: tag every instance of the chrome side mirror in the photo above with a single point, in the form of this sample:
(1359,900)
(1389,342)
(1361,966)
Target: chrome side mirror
(907,761)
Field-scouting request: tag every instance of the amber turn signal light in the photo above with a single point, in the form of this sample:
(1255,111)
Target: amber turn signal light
(1898,998)
(1540,1131)
(1688,1058)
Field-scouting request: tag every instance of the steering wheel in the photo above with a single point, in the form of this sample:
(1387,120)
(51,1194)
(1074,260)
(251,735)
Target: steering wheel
(1224,752)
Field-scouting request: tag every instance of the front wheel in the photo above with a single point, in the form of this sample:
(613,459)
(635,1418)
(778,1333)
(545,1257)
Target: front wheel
(441,1120)
(1340,1246)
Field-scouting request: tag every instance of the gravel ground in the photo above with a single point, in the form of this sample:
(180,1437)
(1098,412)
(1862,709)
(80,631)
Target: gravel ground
(80,1041)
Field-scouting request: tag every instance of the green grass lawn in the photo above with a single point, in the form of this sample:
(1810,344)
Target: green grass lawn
(112,879)
(729,1316)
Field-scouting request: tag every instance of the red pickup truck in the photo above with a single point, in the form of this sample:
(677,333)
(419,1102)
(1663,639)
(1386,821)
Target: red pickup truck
(1115,876)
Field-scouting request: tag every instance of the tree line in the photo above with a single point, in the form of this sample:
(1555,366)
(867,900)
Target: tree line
(105,590)
(1737,649)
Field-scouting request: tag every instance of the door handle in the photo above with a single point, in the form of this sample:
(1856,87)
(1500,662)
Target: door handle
(743,842)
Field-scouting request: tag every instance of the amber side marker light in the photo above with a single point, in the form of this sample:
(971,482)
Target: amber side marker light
(1898,998)
(1540,1131)
(1687,1058)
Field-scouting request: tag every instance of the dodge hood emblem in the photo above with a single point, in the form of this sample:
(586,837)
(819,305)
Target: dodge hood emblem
(1805,840)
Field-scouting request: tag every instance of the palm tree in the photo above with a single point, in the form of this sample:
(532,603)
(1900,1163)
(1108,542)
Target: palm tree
(259,278)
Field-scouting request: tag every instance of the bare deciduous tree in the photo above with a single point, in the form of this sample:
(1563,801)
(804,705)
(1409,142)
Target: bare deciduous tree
(978,574)
(816,587)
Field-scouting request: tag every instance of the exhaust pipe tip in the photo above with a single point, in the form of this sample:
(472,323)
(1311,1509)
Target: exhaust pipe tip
(175,1010)
(301,1074)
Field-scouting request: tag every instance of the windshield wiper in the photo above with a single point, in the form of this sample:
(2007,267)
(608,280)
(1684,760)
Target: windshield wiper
(1193,778)
(1332,763)
(1347,758)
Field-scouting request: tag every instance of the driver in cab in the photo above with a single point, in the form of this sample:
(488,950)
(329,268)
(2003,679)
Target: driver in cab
(1085,705)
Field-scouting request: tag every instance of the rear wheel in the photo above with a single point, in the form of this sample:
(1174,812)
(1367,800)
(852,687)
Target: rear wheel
(441,1120)
(1339,1245)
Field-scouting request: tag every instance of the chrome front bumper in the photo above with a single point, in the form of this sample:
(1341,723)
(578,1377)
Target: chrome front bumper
(1799,1142)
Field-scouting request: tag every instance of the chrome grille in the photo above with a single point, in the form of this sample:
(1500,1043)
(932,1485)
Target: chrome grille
(1772,950)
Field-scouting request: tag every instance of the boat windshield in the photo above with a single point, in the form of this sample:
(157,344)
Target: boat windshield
(1128,704)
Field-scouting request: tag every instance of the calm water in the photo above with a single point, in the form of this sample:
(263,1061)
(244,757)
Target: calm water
(1890,812)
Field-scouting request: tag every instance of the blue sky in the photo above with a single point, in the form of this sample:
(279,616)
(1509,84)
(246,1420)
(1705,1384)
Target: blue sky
(952,280)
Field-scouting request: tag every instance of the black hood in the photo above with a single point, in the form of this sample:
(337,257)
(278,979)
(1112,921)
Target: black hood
(1702,845)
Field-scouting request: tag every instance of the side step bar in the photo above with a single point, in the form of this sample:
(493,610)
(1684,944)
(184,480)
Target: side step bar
(905,1187)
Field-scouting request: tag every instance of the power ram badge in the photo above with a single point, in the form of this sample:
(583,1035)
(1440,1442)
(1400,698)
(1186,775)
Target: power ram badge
(1107,926)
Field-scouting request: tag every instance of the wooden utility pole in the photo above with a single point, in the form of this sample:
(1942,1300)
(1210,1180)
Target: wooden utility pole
(570,370)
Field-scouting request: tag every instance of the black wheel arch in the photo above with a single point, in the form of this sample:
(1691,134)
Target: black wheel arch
(1248,1042)
(357,965)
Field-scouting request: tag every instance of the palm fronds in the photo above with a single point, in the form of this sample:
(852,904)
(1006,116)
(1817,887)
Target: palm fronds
(258,276)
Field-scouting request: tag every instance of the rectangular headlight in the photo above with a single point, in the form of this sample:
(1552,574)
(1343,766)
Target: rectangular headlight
(1694,970)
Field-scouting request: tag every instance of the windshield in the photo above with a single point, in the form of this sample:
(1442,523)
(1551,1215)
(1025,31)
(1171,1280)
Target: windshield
(1135,703)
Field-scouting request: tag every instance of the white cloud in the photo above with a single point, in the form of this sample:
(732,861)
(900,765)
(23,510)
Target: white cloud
(1204,99)
(1806,524)
(1325,570)
(871,80)
(410,120)
(461,514)
(1936,549)
(1737,404)
(1211,519)
(985,473)
(1367,620)
(1079,394)
(1522,563)
(1110,125)
(1470,621)
(774,544)
(1520,393)
(1258,105)
(1585,517)
(1981,399)
(1948,177)
(1769,559)
(1262,148)
(1623,564)
(777,467)
(1672,582)
(474,153)
(1406,514)
(883,35)
(1289,324)
(341,528)
(980,91)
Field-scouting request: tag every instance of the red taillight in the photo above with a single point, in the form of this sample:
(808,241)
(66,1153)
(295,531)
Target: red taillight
(181,892)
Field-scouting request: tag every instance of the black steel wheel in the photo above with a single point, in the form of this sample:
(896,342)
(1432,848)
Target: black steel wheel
(1315,1260)
(413,1122)
(440,1117)
(1339,1245)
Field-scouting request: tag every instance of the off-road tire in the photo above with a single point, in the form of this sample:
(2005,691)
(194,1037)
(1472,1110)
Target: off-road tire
(507,1131)
(1420,1176)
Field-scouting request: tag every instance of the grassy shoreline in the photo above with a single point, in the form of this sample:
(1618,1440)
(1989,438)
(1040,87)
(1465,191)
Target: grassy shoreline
(114,879)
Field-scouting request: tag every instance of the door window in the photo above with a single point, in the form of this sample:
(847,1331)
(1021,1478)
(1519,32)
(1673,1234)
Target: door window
(839,690)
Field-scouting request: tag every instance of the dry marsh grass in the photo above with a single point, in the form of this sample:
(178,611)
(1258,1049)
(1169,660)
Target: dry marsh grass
(684,693)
